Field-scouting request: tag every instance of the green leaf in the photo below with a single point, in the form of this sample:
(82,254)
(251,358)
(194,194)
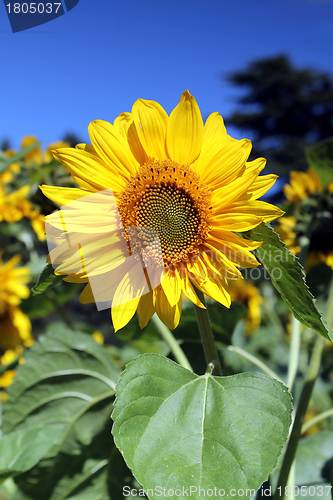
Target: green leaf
(67,377)
(22,449)
(46,280)
(4,164)
(69,380)
(288,277)
(100,476)
(90,483)
(320,158)
(312,459)
(71,475)
(178,429)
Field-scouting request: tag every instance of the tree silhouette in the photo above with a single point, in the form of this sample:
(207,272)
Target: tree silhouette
(284,109)
(72,139)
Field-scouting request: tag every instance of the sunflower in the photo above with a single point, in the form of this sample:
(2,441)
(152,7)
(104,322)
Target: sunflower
(285,229)
(37,155)
(313,203)
(302,184)
(172,177)
(7,175)
(249,295)
(15,327)
(15,205)
(6,378)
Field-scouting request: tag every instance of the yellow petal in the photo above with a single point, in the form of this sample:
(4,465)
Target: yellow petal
(261,209)
(254,165)
(91,172)
(214,126)
(122,122)
(63,195)
(151,123)
(221,161)
(241,256)
(185,130)
(231,239)
(125,125)
(133,285)
(113,148)
(225,195)
(170,315)
(217,262)
(237,219)
(172,288)
(135,145)
(187,287)
(145,309)
(76,278)
(96,213)
(35,154)
(214,286)
(123,313)
(316,184)
(260,186)
(94,257)
(87,296)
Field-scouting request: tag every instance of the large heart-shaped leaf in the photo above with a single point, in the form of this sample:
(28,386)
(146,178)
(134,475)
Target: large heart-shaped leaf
(179,430)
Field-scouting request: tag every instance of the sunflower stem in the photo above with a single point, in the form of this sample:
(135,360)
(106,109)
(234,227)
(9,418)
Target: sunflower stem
(254,360)
(207,337)
(176,350)
(295,343)
(316,419)
(311,377)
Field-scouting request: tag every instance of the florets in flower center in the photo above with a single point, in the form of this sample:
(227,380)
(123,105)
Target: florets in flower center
(169,198)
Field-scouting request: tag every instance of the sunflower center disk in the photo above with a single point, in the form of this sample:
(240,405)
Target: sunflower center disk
(168,198)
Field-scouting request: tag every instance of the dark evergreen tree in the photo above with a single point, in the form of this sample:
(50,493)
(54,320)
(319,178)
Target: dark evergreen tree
(5,144)
(72,139)
(283,109)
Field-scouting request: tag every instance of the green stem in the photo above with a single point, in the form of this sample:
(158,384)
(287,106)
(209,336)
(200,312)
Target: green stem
(294,351)
(269,307)
(206,334)
(255,361)
(291,481)
(311,377)
(316,419)
(176,350)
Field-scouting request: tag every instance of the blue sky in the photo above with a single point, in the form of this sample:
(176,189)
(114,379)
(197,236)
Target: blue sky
(97,59)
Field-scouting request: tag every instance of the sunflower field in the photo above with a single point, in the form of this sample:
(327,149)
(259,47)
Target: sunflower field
(164,332)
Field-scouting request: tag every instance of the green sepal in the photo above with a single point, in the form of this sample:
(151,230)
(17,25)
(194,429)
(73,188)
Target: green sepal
(46,280)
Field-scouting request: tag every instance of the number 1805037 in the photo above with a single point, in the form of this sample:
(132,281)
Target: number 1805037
(33,8)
